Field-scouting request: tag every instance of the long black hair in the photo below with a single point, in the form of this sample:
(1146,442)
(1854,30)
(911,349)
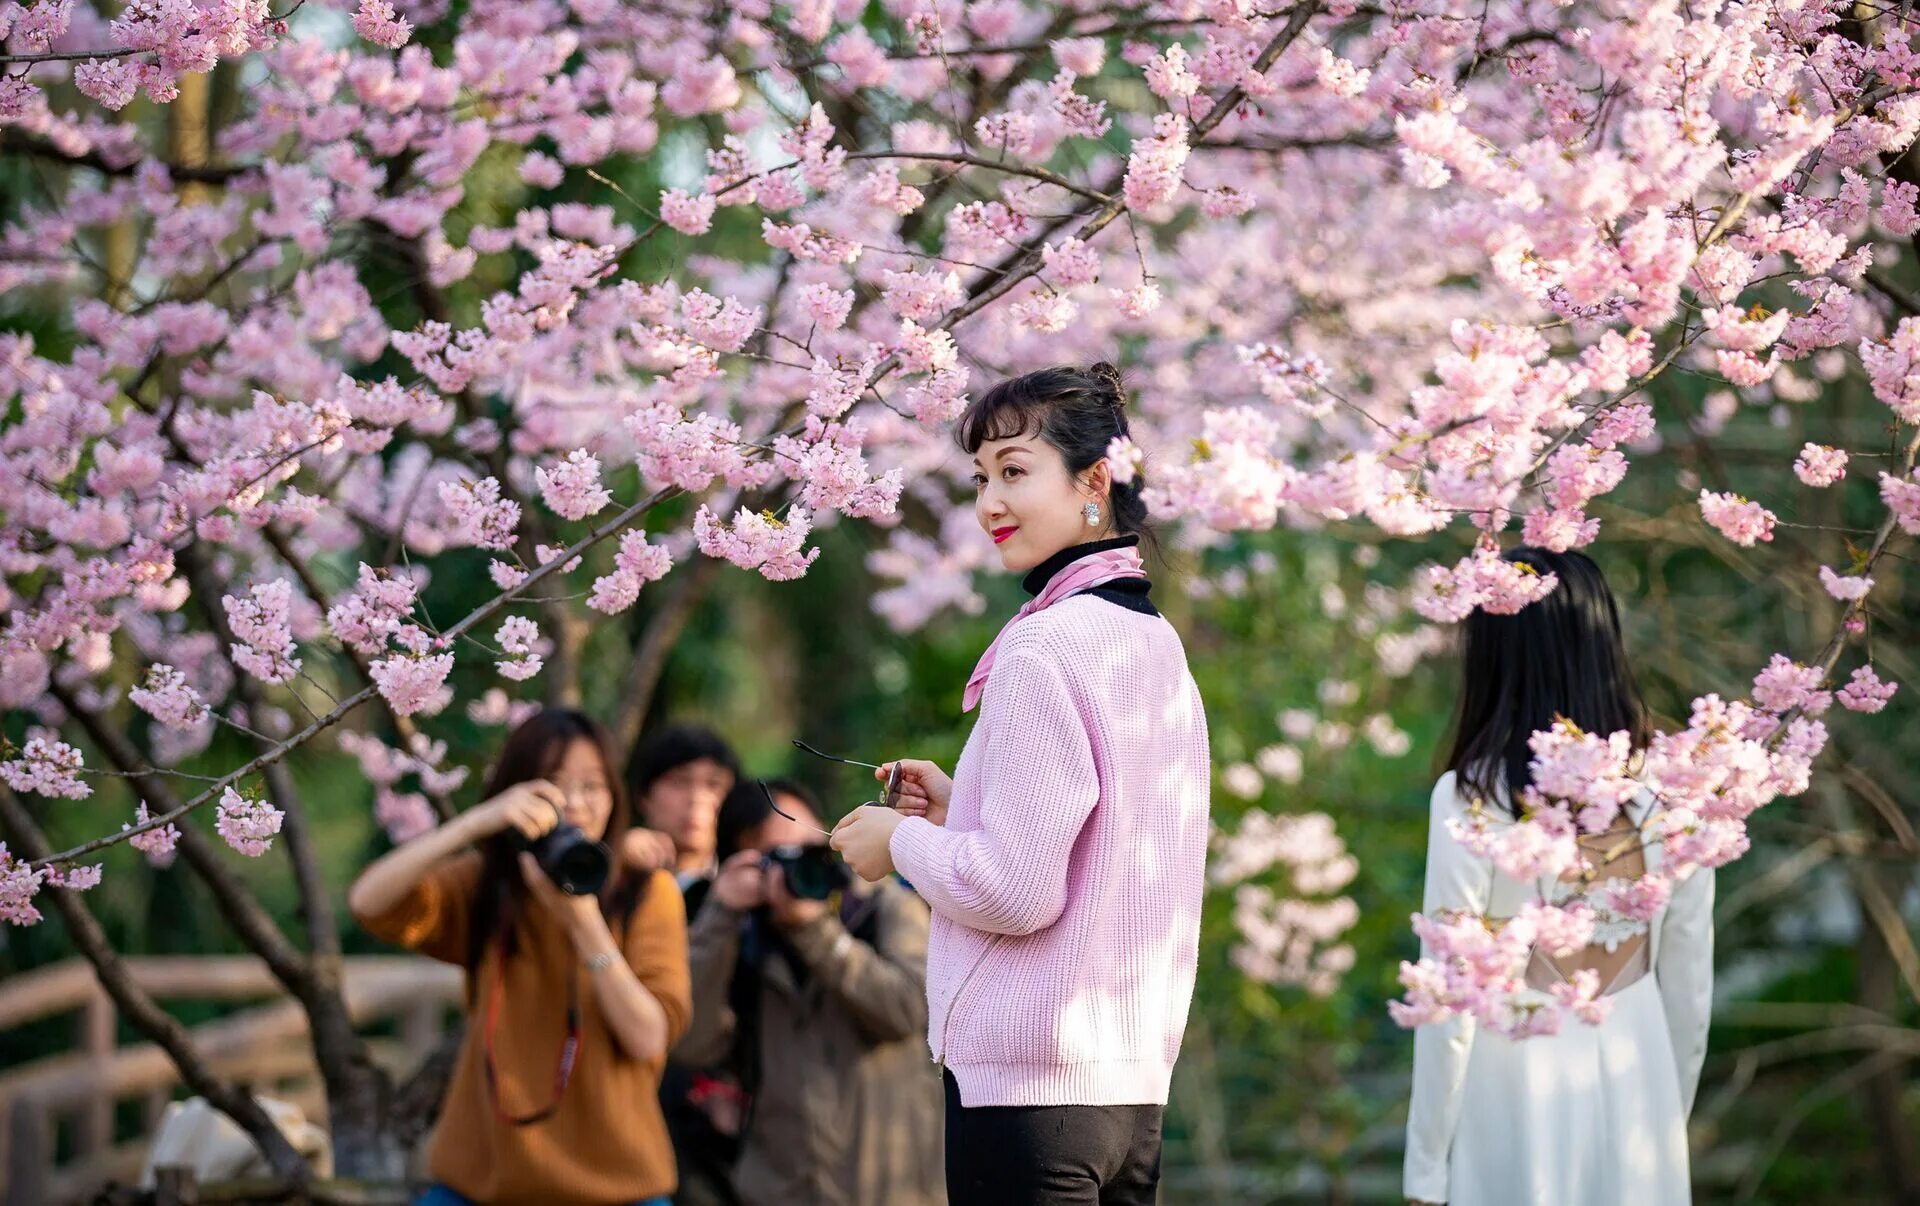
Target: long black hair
(1559,656)
(1078,411)
(535,751)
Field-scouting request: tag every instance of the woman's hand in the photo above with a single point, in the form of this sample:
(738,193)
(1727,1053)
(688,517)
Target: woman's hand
(534,808)
(741,884)
(863,838)
(925,789)
(646,850)
(569,910)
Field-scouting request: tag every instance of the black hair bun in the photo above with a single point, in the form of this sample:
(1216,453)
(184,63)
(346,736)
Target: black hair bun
(1107,373)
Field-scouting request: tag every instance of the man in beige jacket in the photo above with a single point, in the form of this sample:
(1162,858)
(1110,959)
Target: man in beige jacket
(820,1006)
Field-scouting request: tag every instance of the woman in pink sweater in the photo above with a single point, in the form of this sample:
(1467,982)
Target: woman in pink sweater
(1064,860)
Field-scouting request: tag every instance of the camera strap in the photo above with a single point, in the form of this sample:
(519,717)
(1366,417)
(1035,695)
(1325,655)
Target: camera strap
(569,1050)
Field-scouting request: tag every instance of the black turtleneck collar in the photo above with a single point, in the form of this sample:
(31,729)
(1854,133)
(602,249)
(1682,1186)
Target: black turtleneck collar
(1130,593)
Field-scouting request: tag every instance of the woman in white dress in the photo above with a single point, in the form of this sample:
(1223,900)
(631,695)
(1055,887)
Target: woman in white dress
(1594,1115)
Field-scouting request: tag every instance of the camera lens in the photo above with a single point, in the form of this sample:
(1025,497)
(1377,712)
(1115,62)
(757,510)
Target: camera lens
(575,863)
(810,872)
(808,880)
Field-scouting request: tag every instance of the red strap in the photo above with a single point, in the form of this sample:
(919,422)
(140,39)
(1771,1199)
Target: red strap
(569,1050)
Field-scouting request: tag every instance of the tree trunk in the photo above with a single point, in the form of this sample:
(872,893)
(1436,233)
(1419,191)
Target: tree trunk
(683,593)
(1882,1095)
(417,1102)
(366,1146)
(190,131)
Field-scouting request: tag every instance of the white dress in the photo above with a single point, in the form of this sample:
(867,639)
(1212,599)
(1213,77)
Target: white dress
(1591,1116)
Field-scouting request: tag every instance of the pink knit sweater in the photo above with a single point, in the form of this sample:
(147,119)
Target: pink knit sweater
(1066,882)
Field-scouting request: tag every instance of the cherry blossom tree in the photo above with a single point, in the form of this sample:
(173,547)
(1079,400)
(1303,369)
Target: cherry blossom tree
(579,301)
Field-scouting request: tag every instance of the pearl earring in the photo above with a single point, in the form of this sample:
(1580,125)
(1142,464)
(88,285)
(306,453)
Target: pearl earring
(1093,515)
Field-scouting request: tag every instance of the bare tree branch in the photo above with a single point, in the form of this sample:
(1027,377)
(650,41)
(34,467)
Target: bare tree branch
(13,141)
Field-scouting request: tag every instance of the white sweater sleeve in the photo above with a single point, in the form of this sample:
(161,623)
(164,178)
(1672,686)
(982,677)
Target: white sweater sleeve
(1684,969)
(1456,879)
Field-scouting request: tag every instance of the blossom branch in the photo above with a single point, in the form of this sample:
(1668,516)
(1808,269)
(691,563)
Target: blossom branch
(352,702)
(142,1011)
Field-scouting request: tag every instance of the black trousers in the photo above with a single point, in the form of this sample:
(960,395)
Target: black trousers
(1051,1155)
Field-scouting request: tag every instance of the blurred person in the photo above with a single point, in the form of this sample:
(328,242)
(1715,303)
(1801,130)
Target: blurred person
(678,777)
(1595,1115)
(812,987)
(574,996)
(679,774)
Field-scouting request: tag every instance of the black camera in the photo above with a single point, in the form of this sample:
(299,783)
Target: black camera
(811,872)
(574,862)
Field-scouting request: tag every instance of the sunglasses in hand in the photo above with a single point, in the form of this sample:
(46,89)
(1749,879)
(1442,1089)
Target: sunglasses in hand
(889,798)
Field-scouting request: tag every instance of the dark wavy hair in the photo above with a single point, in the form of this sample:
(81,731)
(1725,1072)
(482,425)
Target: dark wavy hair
(535,751)
(1078,411)
(1560,656)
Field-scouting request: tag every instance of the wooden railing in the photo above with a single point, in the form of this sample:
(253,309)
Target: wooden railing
(264,1047)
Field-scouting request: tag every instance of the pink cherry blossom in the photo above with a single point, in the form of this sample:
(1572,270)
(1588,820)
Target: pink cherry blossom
(719,322)
(1155,164)
(405,815)
(156,844)
(690,215)
(1581,996)
(245,824)
(1865,691)
(1044,310)
(705,85)
(1009,133)
(73,878)
(262,627)
(1785,685)
(169,698)
(921,295)
(1818,465)
(411,683)
(758,541)
(1639,897)
(374,610)
(376,21)
(1848,589)
(635,564)
(825,306)
(520,638)
(478,514)
(1585,770)
(1736,518)
(572,487)
(19,884)
(1902,497)
(47,766)
(1692,839)
(1892,371)
(1080,56)
(1168,77)
(1070,263)
(1543,843)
